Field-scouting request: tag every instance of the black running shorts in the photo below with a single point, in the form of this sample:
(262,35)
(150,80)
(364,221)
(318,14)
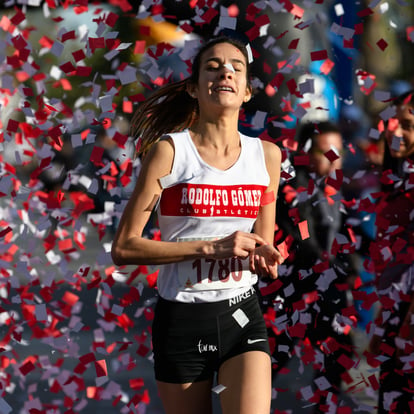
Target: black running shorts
(192,340)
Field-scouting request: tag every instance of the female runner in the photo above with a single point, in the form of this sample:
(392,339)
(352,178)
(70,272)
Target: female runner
(215,192)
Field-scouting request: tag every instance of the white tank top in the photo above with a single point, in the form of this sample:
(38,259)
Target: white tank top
(199,201)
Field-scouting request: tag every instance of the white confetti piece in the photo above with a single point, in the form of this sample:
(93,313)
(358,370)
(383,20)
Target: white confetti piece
(240,317)
(322,383)
(218,389)
(4,407)
(339,9)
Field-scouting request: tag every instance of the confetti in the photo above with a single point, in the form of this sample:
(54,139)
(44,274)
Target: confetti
(218,389)
(304,231)
(339,9)
(240,317)
(100,367)
(67,167)
(319,55)
(382,44)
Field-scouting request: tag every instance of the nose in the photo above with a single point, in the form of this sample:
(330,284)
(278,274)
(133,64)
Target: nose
(227,71)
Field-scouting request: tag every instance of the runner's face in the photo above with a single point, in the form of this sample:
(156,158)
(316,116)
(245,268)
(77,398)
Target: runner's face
(222,78)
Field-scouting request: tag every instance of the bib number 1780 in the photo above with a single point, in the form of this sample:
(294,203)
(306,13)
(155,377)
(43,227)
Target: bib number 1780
(222,269)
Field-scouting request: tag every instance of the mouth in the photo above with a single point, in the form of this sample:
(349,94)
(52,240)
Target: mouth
(223,89)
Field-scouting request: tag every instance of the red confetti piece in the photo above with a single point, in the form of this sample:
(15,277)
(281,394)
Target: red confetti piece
(374,382)
(271,288)
(277,80)
(140,46)
(209,15)
(27,367)
(100,368)
(331,155)
(18,17)
(136,383)
(298,330)
(67,67)
(120,139)
(111,19)
(283,249)
(293,44)
(410,33)
(327,66)
(292,86)
(319,55)
(292,8)
(371,359)
(87,358)
(303,229)
(336,182)
(152,279)
(348,43)
(369,301)
(96,43)
(365,12)
(65,245)
(79,55)
(346,361)
(382,44)
(143,350)
(70,298)
(123,4)
(344,410)
(5,24)
(387,349)
(233,10)
(96,156)
(12,125)
(68,36)
(93,392)
(83,70)
(4,232)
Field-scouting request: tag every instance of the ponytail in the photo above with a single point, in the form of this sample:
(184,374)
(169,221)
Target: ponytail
(169,109)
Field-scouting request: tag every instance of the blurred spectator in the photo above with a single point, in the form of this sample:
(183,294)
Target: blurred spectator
(392,259)
(316,274)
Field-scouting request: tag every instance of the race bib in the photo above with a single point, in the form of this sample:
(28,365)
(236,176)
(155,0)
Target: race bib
(213,274)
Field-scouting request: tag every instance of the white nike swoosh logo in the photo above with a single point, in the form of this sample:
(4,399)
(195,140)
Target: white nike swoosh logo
(253,341)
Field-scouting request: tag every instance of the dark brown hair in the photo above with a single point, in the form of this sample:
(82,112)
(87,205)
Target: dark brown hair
(170,108)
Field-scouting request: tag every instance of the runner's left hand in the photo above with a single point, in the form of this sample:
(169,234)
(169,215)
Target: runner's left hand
(264,261)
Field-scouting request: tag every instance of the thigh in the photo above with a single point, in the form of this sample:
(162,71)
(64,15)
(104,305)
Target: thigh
(190,398)
(185,344)
(247,378)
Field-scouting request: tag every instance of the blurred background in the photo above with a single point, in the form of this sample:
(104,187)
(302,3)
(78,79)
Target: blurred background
(75,331)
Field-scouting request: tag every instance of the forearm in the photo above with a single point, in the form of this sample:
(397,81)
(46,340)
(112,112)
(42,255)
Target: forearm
(265,225)
(138,251)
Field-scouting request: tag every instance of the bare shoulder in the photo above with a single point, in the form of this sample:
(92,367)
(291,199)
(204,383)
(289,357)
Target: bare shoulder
(164,148)
(160,157)
(272,153)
